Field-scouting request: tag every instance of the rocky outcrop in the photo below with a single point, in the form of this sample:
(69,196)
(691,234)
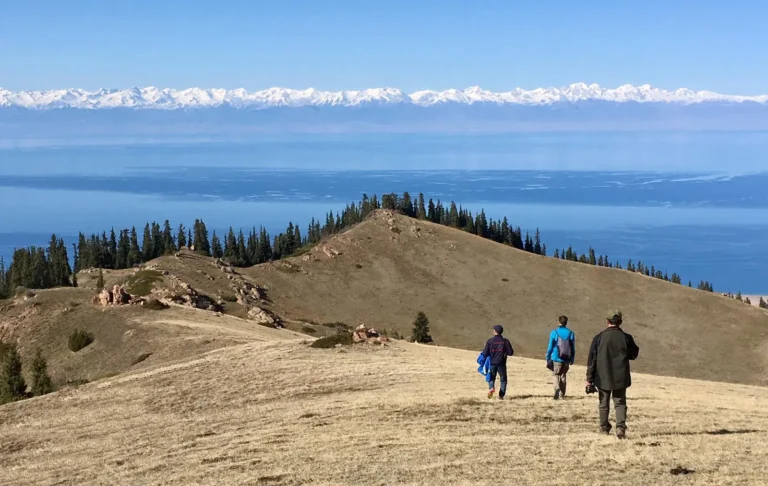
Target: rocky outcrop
(120,296)
(116,296)
(364,335)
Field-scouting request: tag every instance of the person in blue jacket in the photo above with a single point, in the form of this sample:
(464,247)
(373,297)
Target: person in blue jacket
(498,348)
(561,354)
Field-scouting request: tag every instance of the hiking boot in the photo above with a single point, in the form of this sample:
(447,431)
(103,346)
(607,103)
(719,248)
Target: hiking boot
(490,393)
(605,430)
(621,433)
(557,394)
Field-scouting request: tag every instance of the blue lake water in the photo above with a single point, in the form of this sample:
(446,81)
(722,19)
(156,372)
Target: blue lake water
(691,203)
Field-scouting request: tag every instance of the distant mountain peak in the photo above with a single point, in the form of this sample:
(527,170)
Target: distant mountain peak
(151,97)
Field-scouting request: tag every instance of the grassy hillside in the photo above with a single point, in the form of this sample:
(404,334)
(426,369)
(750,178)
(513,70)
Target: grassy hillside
(265,413)
(385,270)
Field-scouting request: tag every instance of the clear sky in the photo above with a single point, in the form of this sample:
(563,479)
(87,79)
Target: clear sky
(416,44)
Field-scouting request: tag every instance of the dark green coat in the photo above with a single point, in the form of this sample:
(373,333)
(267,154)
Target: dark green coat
(609,357)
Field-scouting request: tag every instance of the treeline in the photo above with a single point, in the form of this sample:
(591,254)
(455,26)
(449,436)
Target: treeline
(591,258)
(43,268)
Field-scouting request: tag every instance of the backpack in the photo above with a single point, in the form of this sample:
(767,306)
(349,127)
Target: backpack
(564,348)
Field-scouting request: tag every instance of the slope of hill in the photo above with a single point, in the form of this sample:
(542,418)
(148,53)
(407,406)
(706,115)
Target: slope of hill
(265,413)
(385,270)
(126,337)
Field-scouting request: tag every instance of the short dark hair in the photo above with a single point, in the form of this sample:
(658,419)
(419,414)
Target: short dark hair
(563,320)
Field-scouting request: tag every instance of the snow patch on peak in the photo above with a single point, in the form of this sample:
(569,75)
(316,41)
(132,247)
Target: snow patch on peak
(152,97)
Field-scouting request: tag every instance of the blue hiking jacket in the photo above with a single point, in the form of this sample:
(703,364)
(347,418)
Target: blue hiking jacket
(485,366)
(552,351)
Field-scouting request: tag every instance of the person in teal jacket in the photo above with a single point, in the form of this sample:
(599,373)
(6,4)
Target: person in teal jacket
(561,354)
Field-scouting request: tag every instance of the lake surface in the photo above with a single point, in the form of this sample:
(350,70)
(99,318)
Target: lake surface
(691,203)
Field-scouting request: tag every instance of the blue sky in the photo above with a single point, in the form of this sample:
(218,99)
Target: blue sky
(411,45)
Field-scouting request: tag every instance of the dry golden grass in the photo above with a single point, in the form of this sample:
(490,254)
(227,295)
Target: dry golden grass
(383,278)
(281,413)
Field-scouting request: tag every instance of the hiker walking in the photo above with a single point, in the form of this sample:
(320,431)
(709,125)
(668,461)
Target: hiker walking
(498,348)
(561,354)
(608,371)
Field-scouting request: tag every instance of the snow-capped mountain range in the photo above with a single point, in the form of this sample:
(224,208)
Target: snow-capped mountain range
(170,99)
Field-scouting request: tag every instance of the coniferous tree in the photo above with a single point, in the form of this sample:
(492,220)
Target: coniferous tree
(421,332)
(265,247)
(537,242)
(202,245)
(421,212)
(12,385)
(181,237)
(169,244)
(242,252)
(190,241)
(528,243)
(230,247)
(134,253)
(147,251)
(216,250)
(762,303)
(158,246)
(4,294)
(123,249)
(41,380)
(112,251)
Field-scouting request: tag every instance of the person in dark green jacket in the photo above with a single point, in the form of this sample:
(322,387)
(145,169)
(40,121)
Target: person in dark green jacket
(608,370)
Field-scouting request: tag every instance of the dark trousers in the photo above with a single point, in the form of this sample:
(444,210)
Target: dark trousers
(619,403)
(501,370)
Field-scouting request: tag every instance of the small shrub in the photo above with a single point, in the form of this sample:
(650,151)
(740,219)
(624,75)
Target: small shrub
(41,380)
(308,330)
(337,326)
(343,338)
(79,339)
(154,304)
(229,298)
(358,266)
(141,283)
(505,280)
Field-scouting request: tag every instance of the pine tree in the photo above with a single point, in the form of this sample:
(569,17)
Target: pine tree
(422,210)
(134,253)
(230,247)
(158,245)
(3,285)
(242,252)
(216,250)
(123,249)
(190,241)
(169,243)
(12,385)
(421,329)
(181,237)
(112,250)
(762,303)
(41,380)
(592,259)
(146,244)
(537,242)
